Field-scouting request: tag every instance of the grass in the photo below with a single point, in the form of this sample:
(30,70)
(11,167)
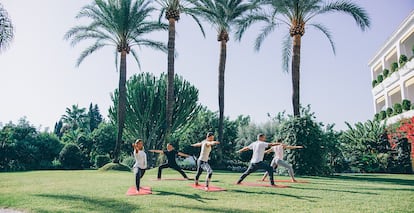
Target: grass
(96,191)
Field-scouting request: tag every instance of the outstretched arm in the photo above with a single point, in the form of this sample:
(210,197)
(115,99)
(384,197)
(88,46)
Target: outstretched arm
(196,144)
(212,143)
(182,154)
(243,149)
(292,147)
(275,144)
(156,151)
(268,151)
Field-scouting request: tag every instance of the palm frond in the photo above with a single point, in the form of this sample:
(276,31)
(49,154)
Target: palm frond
(91,49)
(263,34)
(135,55)
(286,52)
(327,33)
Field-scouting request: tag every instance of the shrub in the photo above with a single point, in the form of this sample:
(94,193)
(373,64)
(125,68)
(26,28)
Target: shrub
(403,60)
(380,78)
(101,160)
(412,106)
(382,115)
(406,105)
(71,157)
(129,161)
(386,73)
(374,83)
(115,166)
(389,112)
(397,108)
(376,117)
(394,66)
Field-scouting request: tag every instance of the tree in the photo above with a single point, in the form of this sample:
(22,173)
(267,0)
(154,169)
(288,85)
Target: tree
(95,117)
(297,14)
(121,24)
(223,15)
(75,118)
(146,108)
(172,9)
(6,29)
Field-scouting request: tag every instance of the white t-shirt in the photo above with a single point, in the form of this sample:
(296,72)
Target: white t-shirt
(258,148)
(140,160)
(278,150)
(205,150)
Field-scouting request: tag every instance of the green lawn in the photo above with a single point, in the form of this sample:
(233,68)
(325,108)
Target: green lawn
(95,191)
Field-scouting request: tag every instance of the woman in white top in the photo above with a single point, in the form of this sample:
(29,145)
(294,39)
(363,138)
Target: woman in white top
(202,162)
(278,159)
(140,162)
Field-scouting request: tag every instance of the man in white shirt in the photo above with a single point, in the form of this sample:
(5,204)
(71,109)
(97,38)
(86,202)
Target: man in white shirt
(202,162)
(256,162)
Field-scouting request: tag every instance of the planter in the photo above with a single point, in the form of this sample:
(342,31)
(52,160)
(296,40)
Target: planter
(394,77)
(377,89)
(407,68)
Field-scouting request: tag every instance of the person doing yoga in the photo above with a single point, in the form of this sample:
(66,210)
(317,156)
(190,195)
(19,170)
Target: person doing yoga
(202,162)
(140,162)
(278,159)
(171,154)
(256,162)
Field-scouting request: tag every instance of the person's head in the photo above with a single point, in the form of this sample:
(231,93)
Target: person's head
(170,146)
(279,140)
(261,137)
(139,144)
(210,136)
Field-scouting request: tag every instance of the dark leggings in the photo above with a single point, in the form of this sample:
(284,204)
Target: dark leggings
(203,165)
(255,166)
(172,166)
(140,173)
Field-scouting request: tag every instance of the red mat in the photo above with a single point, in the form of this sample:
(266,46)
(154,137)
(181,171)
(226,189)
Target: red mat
(286,181)
(211,188)
(262,185)
(145,190)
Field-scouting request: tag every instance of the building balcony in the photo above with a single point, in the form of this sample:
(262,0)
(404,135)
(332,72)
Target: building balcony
(390,80)
(407,68)
(396,118)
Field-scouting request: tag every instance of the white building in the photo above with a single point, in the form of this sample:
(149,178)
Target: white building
(398,85)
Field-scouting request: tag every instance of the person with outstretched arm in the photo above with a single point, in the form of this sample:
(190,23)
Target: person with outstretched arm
(256,162)
(202,162)
(171,154)
(140,162)
(278,158)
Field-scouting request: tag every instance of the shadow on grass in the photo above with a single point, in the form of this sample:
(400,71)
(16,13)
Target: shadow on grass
(337,190)
(375,178)
(208,208)
(307,198)
(92,203)
(194,196)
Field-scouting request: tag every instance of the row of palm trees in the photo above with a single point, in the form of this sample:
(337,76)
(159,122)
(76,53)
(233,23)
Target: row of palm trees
(123,24)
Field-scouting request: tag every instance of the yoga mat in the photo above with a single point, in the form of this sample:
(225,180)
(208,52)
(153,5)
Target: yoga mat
(211,188)
(262,185)
(145,190)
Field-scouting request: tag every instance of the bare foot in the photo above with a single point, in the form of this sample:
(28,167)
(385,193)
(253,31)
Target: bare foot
(206,188)
(294,181)
(196,183)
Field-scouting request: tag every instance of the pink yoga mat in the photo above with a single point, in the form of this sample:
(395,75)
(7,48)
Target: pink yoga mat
(210,188)
(262,185)
(145,190)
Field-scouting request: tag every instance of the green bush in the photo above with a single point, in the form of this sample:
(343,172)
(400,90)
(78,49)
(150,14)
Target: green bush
(390,111)
(394,66)
(115,166)
(397,108)
(129,161)
(412,106)
(101,160)
(382,115)
(403,60)
(71,157)
(386,73)
(380,78)
(376,117)
(406,105)
(374,83)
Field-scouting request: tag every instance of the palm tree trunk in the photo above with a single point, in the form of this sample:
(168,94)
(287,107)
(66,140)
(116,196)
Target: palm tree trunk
(222,68)
(170,77)
(121,105)
(296,75)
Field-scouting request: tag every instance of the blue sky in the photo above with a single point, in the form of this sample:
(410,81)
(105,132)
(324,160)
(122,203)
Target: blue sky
(38,77)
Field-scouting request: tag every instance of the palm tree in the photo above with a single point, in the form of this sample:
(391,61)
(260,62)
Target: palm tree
(297,15)
(223,15)
(6,29)
(122,25)
(75,118)
(171,9)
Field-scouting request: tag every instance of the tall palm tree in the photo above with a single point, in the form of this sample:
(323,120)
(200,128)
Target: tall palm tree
(6,29)
(297,15)
(75,117)
(122,25)
(171,9)
(223,15)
